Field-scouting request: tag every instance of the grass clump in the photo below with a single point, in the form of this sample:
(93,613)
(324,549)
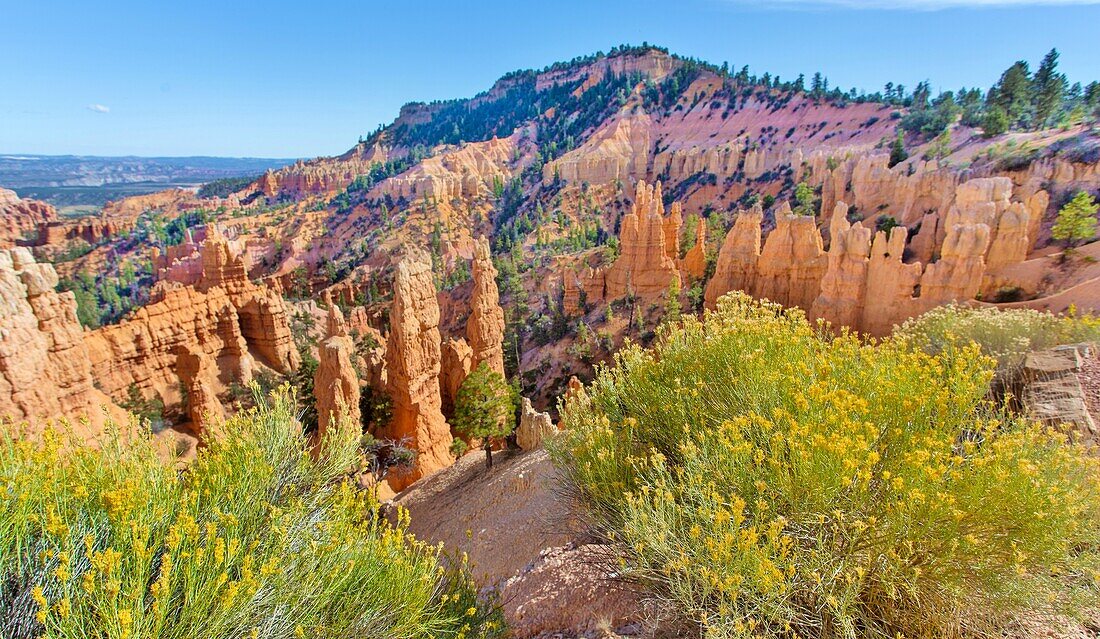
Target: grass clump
(261,536)
(1006,335)
(764,479)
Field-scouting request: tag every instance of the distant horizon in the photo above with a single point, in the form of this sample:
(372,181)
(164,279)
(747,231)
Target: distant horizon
(29,156)
(220,80)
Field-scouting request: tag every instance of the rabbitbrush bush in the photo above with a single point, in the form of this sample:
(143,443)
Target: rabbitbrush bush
(1007,335)
(256,538)
(764,479)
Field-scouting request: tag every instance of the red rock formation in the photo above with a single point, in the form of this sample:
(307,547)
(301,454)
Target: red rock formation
(485,327)
(224,317)
(197,375)
(45,371)
(695,260)
(335,384)
(643,266)
(456,363)
(671,227)
(737,259)
(21,217)
(413,366)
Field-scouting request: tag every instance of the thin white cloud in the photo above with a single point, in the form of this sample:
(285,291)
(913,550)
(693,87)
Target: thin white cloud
(99,108)
(909,5)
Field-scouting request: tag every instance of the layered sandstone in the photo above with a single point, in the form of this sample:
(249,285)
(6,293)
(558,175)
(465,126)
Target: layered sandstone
(335,383)
(643,267)
(616,152)
(20,218)
(485,326)
(198,377)
(736,268)
(413,367)
(45,370)
(534,427)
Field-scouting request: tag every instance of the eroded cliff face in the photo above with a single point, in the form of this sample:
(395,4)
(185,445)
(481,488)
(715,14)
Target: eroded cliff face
(224,318)
(45,369)
(413,366)
(21,218)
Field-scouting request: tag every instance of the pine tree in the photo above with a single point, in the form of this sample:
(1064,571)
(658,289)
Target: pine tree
(672,308)
(995,121)
(1049,86)
(1013,93)
(898,153)
(1077,220)
(485,408)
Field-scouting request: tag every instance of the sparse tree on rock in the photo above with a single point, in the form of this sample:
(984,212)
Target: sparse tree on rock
(485,408)
(1076,221)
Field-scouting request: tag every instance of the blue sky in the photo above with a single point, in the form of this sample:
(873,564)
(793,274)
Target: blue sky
(299,79)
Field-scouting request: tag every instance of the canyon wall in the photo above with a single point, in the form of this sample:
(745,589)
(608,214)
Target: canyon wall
(45,368)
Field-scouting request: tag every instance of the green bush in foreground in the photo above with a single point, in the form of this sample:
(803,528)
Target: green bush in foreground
(763,479)
(256,538)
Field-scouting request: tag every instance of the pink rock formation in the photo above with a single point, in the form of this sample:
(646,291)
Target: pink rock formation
(643,266)
(485,327)
(335,383)
(413,366)
(225,318)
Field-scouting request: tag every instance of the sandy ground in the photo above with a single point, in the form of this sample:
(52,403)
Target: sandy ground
(516,530)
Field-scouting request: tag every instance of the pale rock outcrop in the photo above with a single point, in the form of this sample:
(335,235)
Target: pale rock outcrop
(1052,391)
(643,266)
(844,284)
(335,383)
(957,276)
(534,427)
(198,377)
(485,326)
(413,366)
(617,151)
(45,371)
(736,268)
(469,171)
(891,284)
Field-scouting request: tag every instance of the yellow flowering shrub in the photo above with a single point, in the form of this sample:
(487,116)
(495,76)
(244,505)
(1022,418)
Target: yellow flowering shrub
(765,479)
(1006,335)
(259,537)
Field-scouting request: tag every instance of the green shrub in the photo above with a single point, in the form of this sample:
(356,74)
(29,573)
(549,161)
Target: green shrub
(1006,335)
(763,479)
(256,538)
